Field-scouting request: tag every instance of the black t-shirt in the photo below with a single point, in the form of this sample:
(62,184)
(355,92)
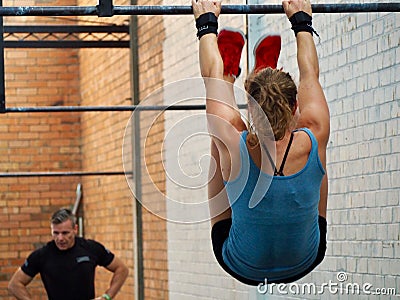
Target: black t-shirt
(68,274)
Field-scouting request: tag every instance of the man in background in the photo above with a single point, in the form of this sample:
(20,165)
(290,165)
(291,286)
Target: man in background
(67,265)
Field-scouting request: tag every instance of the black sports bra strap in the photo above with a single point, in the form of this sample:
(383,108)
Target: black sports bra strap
(271,161)
(280,172)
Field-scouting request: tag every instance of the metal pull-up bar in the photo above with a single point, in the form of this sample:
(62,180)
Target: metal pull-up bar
(106,9)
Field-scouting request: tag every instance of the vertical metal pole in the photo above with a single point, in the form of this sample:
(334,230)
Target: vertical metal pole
(136,160)
(2,77)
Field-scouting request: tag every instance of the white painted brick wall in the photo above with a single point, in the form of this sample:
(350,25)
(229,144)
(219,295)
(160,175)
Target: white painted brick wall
(359,63)
(193,270)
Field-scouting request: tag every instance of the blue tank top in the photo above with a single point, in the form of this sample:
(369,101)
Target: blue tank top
(279,237)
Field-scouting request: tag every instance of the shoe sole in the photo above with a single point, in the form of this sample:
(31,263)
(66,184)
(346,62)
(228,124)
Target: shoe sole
(234,30)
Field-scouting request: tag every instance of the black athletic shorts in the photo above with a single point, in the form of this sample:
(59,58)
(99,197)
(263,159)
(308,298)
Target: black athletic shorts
(220,232)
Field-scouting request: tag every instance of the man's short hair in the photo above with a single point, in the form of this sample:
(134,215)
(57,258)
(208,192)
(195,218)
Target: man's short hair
(63,215)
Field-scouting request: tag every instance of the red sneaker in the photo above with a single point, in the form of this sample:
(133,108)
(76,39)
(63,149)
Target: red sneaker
(266,52)
(230,45)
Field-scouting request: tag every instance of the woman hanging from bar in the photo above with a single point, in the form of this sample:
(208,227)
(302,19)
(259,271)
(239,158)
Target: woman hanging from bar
(272,231)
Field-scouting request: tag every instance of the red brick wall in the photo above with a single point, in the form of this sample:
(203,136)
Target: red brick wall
(107,201)
(151,36)
(78,141)
(31,142)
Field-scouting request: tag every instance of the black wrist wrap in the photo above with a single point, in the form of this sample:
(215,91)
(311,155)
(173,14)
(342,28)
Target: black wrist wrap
(206,23)
(302,21)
